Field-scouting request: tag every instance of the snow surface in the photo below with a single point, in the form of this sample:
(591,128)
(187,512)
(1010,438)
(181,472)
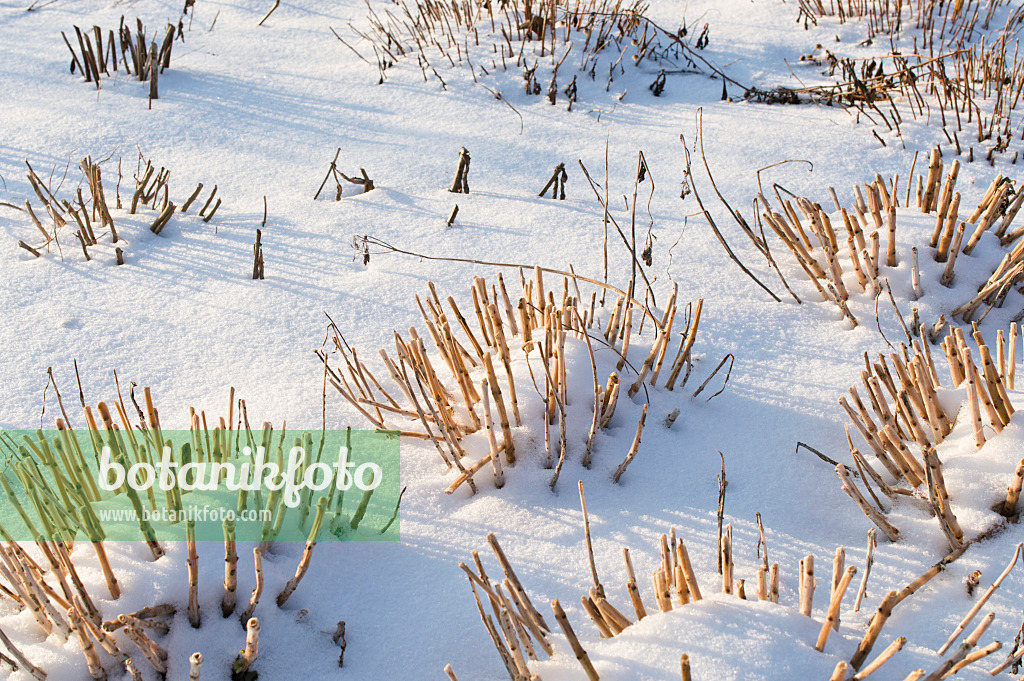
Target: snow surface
(259,111)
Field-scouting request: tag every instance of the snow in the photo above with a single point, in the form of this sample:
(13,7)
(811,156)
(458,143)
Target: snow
(733,640)
(260,111)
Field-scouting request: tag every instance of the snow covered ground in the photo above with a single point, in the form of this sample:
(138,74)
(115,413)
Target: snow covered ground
(260,111)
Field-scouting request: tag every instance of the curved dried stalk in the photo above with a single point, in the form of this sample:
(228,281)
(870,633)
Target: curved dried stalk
(714,227)
(369,240)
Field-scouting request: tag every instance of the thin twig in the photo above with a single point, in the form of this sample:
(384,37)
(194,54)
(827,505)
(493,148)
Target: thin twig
(718,234)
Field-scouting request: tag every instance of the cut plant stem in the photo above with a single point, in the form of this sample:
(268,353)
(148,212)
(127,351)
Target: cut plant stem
(574,642)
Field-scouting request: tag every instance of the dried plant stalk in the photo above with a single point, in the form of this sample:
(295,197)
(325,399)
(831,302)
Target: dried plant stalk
(154,654)
(499,473)
(981,602)
(832,616)
(727,564)
(1013,491)
(574,642)
(254,598)
(878,621)
(960,657)
(307,554)
(252,646)
(193,576)
(689,575)
(872,513)
(631,587)
(882,658)
(634,448)
(195,666)
(20,658)
(868,562)
(227,604)
(807,585)
(92,658)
